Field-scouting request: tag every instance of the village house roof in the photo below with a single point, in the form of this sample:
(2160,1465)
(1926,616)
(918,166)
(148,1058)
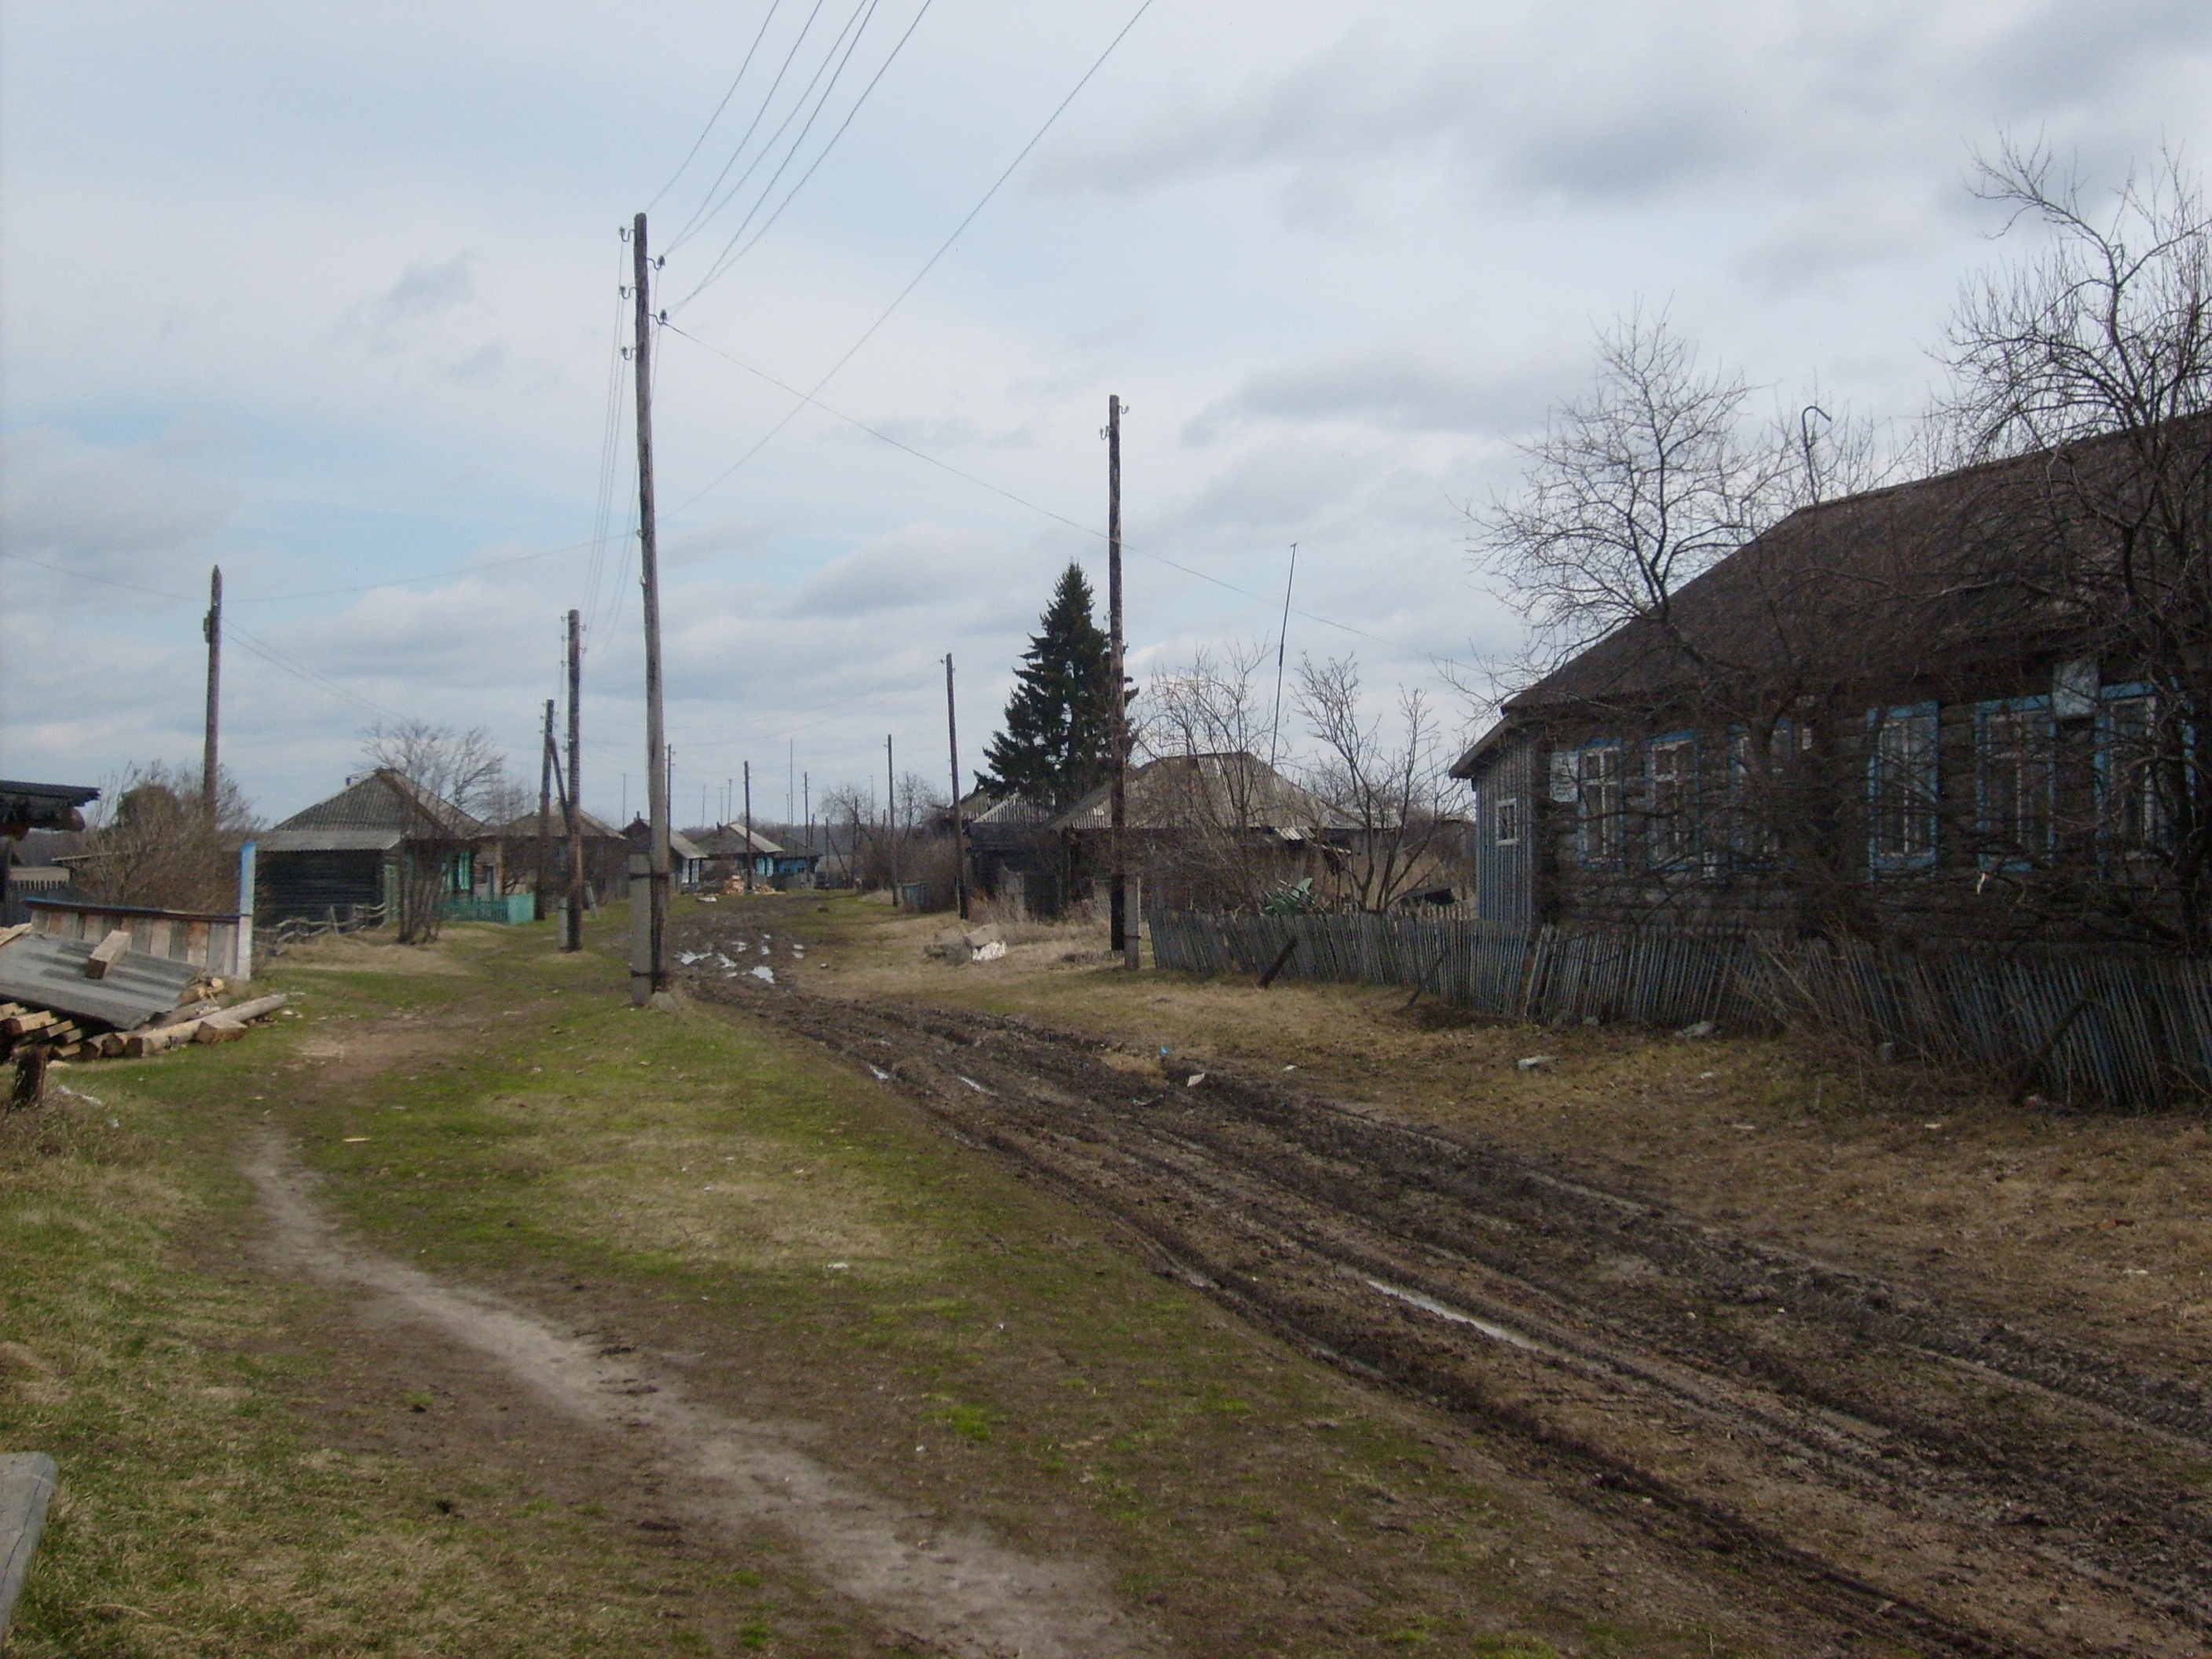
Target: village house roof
(1912,583)
(1231,791)
(728,840)
(527,827)
(373,813)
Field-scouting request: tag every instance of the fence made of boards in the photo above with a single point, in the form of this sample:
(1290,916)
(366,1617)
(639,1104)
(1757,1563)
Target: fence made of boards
(2127,1031)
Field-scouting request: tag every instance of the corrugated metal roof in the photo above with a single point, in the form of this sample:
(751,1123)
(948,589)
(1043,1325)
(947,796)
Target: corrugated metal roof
(48,973)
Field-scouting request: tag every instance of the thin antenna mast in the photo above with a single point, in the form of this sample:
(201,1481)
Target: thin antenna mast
(1282,643)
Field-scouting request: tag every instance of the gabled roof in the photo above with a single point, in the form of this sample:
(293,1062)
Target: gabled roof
(525,827)
(1913,582)
(1235,791)
(380,810)
(639,834)
(728,840)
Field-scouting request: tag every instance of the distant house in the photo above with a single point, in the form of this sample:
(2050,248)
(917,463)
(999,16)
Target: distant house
(347,853)
(1211,831)
(1882,717)
(521,848)
(727,850)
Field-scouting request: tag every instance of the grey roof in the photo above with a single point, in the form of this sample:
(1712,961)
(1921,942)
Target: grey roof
(385,799)
(48,973)
(728,840)
(1223,791)
(526,827)
(1011,811)
(329,841)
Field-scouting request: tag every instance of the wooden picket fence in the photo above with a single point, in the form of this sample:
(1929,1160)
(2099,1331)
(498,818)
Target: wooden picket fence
(2128,1031)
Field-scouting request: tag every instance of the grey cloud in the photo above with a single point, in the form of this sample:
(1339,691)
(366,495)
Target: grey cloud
(1396,388)
(122,510)
(428,290)
(918,565)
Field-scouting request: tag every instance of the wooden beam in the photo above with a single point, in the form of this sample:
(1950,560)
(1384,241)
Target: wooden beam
(106,954)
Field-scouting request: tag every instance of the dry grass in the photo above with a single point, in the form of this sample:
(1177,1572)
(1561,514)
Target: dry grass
(2090,1224)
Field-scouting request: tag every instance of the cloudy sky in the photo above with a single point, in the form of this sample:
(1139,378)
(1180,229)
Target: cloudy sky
(327,295)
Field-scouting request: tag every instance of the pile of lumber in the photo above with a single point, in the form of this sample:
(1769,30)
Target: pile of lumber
(46,1019)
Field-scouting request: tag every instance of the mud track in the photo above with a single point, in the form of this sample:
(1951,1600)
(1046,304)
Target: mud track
(1862,1460)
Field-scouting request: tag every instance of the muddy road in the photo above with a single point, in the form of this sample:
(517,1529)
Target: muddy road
(1869,1465)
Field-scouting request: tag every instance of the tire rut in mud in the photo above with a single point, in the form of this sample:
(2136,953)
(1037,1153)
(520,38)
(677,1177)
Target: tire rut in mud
(1855,1447)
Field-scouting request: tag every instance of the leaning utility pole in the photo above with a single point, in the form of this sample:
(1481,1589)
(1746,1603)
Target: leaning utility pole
(1124,934)
(648,967)
(959,836)
(213,628)
(749,826)
(572,934)
(545,835)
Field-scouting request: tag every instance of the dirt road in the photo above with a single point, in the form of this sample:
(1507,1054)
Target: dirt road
(1865,1460)
(952,1588)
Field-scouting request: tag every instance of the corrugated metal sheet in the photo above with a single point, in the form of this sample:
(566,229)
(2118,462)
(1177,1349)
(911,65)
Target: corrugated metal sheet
(48,973)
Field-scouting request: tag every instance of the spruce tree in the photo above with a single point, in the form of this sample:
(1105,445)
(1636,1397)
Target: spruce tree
(1055,745)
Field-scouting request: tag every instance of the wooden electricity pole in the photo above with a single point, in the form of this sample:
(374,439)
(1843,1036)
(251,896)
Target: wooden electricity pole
(572,934)
(749,826)
(650,974)
(890,817)
(1123,928)
(209,773)
(959,835)
(545,836)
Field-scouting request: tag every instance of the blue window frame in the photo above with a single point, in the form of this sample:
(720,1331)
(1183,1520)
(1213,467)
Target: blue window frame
(2129,820)
(1670,799)
(1904,779)
(1598,802)
(2015,781)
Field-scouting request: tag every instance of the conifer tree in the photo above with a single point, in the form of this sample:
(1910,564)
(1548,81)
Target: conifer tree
(1055,746)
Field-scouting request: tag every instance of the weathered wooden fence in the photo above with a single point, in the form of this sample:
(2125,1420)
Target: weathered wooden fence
(2125,1031)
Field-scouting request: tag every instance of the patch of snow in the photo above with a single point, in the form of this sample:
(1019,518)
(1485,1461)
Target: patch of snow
(765,973)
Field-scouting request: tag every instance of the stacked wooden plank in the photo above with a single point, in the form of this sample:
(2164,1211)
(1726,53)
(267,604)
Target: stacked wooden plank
(68,999)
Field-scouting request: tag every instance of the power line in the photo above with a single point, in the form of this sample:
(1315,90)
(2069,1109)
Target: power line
(929,264)
(863,14)
(727,258)
(767,18)
(700,215)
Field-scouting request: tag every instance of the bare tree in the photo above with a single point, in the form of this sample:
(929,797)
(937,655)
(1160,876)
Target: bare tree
(1649,479)
(1205,803)
(2097,351)
(153,843)
(1391,789)
(451,780)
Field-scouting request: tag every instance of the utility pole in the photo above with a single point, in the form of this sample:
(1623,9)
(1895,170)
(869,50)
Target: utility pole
(212,627)
(749,826)
(544,806)
(959,831)
(1124,933)
(806,805)
(890,817)
(648,967)
(573,938)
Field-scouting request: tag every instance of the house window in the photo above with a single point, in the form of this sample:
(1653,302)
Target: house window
(1902,779)
(2014,779)
(2127,768)
(1756,774)
(1671,798)
(1506,820)
(1597,802)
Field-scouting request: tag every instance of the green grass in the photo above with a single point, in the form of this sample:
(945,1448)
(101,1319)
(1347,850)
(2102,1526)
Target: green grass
(851,1267)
